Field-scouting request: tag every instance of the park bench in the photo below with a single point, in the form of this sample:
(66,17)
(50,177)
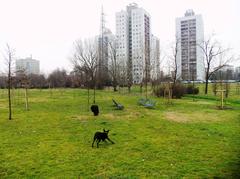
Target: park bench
(118,105)
(142,101)
(150,104)
(147,103)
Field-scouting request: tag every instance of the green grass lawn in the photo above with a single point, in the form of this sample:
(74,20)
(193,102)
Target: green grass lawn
(188,139)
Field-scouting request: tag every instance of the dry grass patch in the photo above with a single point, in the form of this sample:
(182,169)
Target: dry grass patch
(3,106)
(38,100)
(83,117)
(130,115)
(202,102)
(193,117)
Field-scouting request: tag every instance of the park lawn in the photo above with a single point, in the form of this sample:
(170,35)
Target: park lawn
(189,138)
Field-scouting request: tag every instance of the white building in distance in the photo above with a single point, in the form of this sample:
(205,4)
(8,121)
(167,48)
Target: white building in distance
(106,45)
(28,65)
(133,41)
(154,58)
(190,58)
(237,73)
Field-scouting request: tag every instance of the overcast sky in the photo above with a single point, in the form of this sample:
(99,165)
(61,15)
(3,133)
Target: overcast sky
(46,29)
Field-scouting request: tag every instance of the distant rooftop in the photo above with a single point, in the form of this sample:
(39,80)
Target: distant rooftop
(189,12)
(133,5)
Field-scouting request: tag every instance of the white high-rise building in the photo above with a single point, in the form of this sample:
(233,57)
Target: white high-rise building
(28,65)
(105,44)
(154,58)
(133,41)
(190,58)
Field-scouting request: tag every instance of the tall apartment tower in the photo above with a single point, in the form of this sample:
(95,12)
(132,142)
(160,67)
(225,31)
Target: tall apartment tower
(105,41)
(154,58)
(133,41)
(28,65)
(190,59)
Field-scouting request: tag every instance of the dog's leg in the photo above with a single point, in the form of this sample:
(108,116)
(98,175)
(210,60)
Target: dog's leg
(93,142)
(98,140)
(110,141)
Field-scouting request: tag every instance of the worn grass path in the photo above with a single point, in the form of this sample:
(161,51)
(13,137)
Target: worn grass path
(190,139)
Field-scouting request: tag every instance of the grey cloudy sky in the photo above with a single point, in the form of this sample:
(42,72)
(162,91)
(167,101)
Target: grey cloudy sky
(46,29)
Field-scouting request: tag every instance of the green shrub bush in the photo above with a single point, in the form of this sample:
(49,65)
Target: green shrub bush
(178,90)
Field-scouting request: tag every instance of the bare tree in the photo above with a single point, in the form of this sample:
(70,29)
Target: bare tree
(85,59)
(24,82)
(9,55)
(123,74)
(3,80)
(58,78)
(113,65)
(157,58)
(37,81)
(173,63)
(129,75)
(212,51)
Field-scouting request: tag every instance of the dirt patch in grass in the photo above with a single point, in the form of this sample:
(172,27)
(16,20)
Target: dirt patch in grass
(133,115)
(111,116)
(202,102)
(177,117)
(40,100)
(193,117)
(83,117)
(3,106)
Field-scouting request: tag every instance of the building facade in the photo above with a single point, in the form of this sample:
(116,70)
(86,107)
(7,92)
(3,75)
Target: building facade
(237,73)
(190,58)
(133,42)
(225,73)
(154,58)
(28,66)
(105,45)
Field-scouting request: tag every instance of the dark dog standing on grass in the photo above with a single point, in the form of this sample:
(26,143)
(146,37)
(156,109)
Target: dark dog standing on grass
(95,110)
(101,136)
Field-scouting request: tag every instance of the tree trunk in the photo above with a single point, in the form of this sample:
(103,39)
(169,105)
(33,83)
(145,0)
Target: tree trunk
(129,89)
(9,90)
(88,96)
(26,99)
(94,93)
(114,85)
(141,88)
(206,86)
(146,86)
(114,88)
(9,100)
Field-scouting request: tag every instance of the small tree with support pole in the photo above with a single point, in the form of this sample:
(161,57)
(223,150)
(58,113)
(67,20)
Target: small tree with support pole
(168,94)
(9,63)
(238,89)
(24,81)
(221,98)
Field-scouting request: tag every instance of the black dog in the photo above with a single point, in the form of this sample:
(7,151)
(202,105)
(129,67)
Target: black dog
(95,110)
(101,136)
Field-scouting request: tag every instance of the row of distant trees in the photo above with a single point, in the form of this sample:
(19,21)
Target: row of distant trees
(59,78)
(85,73)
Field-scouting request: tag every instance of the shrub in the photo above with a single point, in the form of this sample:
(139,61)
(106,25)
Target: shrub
(190,89)
(159,91)
(214,88)
(178,91)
